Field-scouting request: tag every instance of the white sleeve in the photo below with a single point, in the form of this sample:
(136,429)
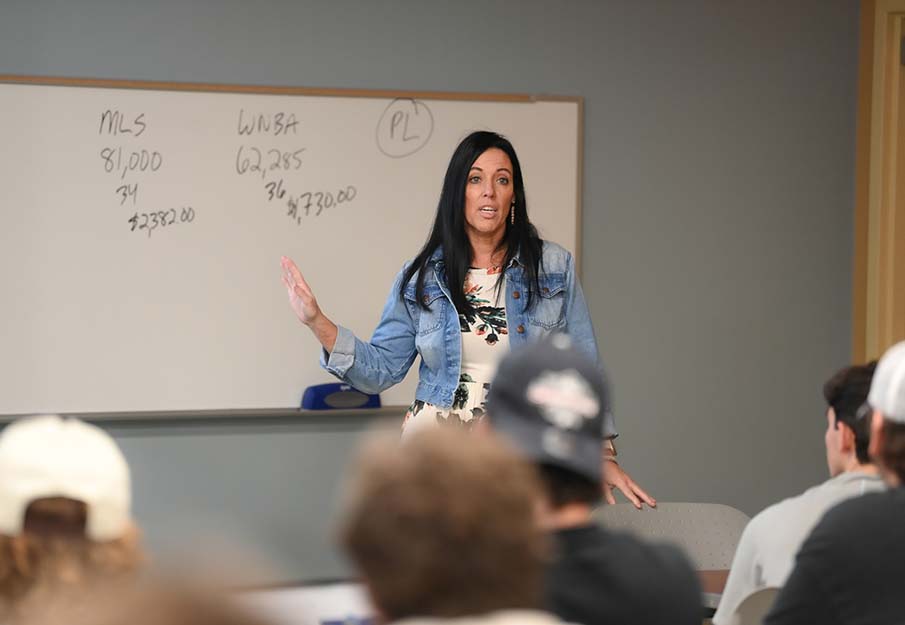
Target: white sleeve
(744,577)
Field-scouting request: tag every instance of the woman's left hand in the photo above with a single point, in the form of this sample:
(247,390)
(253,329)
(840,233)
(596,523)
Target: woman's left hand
(615,477)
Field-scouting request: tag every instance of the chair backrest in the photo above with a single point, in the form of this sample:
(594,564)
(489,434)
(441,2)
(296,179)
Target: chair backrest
(754,608)
(708,532)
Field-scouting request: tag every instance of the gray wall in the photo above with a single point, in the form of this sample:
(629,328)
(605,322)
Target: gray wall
(717,226)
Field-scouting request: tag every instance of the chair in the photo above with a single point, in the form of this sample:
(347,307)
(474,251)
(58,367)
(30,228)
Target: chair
(707,532)
(754,608)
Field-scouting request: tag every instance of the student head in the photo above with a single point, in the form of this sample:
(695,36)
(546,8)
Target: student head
(886,409)
(549,401)
(847,437)
(64,512)
(444,526)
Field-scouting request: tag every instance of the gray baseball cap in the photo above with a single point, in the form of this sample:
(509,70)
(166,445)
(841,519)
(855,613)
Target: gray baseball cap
(551,401)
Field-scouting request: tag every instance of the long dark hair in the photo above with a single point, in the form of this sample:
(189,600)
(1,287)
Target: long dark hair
(449,233)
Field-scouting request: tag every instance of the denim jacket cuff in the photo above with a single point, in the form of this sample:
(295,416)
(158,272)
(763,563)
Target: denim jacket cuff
(341,358)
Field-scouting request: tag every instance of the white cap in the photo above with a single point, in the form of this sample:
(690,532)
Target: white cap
(48,456)
(887,390)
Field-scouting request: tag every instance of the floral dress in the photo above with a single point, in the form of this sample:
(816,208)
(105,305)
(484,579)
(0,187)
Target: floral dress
(485,340)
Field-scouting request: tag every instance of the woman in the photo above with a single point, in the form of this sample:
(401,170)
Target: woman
(483,283)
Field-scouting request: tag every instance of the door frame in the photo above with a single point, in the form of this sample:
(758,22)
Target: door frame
(876,261)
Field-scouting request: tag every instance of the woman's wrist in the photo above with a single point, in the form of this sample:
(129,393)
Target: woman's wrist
(325,331)
(609,450)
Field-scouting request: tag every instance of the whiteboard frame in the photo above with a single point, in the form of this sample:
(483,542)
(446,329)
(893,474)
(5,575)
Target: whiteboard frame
(233,416)
(153,85)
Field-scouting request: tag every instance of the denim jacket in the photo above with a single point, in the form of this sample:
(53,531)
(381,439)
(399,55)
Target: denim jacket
(406,330)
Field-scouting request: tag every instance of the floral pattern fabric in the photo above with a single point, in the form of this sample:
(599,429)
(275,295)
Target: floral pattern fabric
(486,320)
(485,340)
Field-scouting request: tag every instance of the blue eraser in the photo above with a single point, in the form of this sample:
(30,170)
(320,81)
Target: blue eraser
(336,395)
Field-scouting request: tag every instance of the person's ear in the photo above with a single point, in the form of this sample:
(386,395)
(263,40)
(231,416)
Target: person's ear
(846,438)
(876,435)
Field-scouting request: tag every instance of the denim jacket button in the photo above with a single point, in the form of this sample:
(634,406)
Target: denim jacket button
(520,329)
(545,290)
(516,294)
(425,299)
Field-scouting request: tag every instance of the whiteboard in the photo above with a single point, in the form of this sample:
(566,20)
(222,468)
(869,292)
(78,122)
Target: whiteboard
(143,225)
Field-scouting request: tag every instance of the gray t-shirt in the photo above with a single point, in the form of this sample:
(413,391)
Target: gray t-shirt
(766,551)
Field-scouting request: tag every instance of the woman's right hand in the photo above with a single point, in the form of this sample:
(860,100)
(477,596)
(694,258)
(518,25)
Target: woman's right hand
(305,305)
(301,298)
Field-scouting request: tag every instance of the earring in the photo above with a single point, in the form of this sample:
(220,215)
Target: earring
(512,213)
